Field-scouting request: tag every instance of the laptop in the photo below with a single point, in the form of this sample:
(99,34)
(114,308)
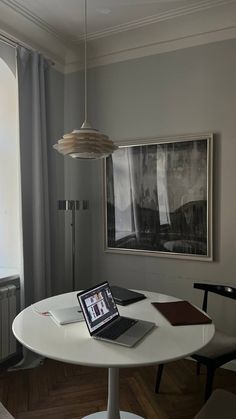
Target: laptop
(67,315)
(124,296)
(104,321)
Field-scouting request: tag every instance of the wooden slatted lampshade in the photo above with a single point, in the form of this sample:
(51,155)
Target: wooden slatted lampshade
(87,142)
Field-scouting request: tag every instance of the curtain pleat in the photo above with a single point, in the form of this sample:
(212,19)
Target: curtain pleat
(32,71)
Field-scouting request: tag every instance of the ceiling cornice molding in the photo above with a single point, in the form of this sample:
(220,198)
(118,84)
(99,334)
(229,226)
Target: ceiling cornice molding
(160,17)
(154,48)
(23,30)
(177,12)
(16,39)
(42,24)
(207,21)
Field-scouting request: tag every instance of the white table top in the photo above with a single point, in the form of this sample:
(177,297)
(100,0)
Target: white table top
(72,343)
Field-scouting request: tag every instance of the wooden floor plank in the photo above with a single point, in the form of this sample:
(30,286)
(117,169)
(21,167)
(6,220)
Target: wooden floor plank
(56,390)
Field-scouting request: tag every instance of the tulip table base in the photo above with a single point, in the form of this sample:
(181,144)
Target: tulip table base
(104,415)
(113,411)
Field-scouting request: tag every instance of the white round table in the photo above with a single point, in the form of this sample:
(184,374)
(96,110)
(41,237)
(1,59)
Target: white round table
(72,343)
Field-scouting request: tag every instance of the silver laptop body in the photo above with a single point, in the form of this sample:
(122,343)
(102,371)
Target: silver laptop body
(104,321)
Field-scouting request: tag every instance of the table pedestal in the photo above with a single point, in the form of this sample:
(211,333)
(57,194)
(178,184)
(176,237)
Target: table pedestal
(113,411)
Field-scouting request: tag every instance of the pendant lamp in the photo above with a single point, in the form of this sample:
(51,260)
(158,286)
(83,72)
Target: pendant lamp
(87,142)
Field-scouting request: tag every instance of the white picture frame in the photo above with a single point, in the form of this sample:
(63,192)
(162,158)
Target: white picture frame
(158,197)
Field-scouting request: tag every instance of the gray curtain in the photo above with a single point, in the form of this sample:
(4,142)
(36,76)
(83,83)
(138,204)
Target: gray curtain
(32,72)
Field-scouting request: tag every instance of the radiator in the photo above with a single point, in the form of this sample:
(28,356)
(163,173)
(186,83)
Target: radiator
(7,315)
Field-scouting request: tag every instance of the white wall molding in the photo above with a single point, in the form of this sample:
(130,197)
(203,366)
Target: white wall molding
(153,49)
(205,22)
(163,16)
(23,29)
(175,12)
(24,12)
(182,32)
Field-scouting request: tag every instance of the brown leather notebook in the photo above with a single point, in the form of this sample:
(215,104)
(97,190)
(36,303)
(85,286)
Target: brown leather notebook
(181,313)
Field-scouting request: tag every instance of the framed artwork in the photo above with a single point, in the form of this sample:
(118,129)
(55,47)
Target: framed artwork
(158,197)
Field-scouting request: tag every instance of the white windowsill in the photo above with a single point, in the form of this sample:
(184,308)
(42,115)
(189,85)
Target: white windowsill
(8,273)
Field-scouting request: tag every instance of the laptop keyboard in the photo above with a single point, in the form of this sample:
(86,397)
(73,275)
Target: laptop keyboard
(115,330)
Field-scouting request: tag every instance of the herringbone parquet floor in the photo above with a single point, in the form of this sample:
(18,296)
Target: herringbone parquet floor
(62,391)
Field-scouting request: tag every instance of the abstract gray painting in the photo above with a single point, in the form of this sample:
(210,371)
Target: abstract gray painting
(158,197)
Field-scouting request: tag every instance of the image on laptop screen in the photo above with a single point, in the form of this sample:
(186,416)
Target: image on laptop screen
(98,306)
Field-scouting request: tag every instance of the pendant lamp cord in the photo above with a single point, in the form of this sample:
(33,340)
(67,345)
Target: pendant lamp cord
(85,60)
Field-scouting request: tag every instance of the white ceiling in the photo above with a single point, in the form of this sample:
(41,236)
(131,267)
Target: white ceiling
(117,29)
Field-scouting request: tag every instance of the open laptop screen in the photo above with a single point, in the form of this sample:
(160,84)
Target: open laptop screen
(98,306)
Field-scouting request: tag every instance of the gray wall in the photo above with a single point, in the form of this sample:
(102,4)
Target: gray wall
(181,92)
(77,187)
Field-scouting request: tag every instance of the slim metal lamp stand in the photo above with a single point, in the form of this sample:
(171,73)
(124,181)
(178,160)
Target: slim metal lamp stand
(72,205)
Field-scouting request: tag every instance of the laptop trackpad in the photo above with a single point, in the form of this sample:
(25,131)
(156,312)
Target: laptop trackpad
(135,333)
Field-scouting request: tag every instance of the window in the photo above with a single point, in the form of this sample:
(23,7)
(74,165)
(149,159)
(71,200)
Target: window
(10,247)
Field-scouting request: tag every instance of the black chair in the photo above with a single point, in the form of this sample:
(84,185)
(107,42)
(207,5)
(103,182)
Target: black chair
(220,350)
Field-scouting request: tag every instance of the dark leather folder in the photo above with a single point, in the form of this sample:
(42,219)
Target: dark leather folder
(123,296)
(181,313)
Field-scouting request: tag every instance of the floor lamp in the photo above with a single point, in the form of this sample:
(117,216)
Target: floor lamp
(72,205)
